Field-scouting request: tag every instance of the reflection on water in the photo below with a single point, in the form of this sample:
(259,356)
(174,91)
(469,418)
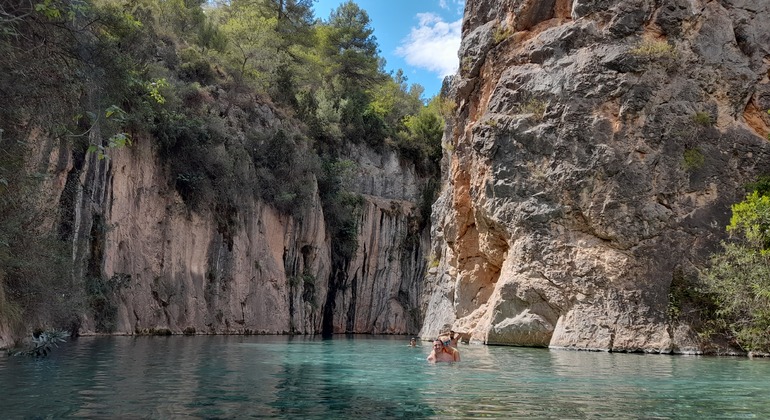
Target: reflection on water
(369,377)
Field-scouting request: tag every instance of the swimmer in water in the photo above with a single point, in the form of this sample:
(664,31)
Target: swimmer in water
(443,353)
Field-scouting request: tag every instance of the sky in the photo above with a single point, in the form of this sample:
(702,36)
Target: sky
(419,36)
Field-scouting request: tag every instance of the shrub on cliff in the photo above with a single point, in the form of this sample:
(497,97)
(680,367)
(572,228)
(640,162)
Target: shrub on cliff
(739,276)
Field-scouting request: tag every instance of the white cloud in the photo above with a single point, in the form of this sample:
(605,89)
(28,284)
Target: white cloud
(459,5)
(432,45)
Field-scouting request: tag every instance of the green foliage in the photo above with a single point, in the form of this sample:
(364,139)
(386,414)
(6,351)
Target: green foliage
(254,52)
(343,224)
(210,36)
(421,142)
(535,107)
(751,220)
(33,86)
(693,159)
(358,121)
(184,142)
(761,186)
(501,33)
(284,171)
(690,303)
(341,208)
(739,276)
(154,90)
(102,296)
(58,10)
(653,49)
(195,67)
(350,48)
(392,100)
(702,118)
(739,280)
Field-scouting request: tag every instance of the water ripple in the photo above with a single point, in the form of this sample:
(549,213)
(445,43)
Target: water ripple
(373,377)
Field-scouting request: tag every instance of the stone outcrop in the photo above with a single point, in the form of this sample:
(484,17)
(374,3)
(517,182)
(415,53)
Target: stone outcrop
(596,149)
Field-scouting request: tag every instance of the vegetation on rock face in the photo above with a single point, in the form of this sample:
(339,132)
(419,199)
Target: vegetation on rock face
(254,94)
(702,118)
(693,159)
(653,49)
(739,277)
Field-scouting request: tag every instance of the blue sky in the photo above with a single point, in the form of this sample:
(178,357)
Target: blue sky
(419,36)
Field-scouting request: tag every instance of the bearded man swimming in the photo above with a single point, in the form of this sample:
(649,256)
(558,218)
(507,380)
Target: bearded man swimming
(443,353)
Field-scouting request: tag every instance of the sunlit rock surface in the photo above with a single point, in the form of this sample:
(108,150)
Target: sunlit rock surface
(596,149)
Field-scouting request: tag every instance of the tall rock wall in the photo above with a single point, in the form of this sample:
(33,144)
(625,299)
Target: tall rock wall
(380,292)
(596,149)
(150,264)
(382,284)
(260,271)
(176,269)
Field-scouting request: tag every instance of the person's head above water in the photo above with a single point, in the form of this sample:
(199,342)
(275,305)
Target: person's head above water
(443,353)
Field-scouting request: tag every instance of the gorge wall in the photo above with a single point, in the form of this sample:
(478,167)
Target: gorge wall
(596,149)
(151,264)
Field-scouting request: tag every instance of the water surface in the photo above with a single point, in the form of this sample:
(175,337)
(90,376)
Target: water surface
(371,377)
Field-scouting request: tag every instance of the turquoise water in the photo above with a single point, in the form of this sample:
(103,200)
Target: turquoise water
(369,377)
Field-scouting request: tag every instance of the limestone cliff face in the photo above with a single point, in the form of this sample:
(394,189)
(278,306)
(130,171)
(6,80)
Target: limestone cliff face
(596,149)
(379,290)
(180,270)
(184,271)
(159,266)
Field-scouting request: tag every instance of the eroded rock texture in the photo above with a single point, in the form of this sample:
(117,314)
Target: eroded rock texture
(249,269)
(596,150)
(150,263)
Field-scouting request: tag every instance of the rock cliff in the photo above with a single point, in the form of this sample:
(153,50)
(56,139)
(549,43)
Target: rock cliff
(595,152)
(151,264)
